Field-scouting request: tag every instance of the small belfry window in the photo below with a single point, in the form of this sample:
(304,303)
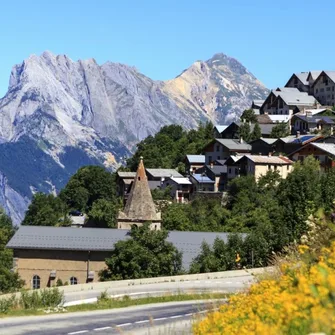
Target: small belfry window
(36,282)
(73,281)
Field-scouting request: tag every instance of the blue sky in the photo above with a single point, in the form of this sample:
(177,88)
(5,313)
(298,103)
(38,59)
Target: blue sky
(163,37)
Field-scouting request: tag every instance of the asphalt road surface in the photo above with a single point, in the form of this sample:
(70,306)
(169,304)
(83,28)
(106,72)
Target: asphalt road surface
(130,320)
(232,284)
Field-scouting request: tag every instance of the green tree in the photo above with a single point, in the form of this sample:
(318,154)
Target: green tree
(145,254)
(299,194)
(46,210)
(327,189)
(9,281)
(249,116)
(104,213)
(168,148)
(256,132)
(88,184)
(244,132)
(280,130)
(206,261)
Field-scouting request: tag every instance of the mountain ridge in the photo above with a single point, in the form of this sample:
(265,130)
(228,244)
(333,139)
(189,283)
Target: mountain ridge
(56,107)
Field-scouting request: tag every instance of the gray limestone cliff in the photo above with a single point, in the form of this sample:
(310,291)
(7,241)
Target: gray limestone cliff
(60,114)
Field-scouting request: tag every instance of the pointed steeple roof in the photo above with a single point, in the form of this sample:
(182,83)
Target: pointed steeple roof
(140,205)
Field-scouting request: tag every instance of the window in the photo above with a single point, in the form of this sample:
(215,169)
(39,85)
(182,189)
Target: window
(236,171)
(275,167)
(269,167)
(229,170)
(322,89)
(316,91)
(217,148)
(36,282)
(328,89)
(73,281)
(139,178)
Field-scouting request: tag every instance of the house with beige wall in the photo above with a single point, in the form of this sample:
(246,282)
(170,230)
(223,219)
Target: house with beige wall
(259,165)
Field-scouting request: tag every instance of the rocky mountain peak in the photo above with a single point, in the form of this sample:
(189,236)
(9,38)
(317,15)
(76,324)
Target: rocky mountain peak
(60,114)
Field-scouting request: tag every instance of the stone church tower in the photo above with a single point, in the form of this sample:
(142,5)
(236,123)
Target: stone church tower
(140,207)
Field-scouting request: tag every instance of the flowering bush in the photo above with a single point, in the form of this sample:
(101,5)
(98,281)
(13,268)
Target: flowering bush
(301,301)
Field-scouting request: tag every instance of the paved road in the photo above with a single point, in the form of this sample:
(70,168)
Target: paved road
(213,285)
(131,320)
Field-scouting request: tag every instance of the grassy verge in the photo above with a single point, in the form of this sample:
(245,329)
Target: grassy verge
(108,303)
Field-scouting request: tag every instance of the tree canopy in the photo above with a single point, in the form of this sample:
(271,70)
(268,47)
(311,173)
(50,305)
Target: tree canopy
(145,254)
(280,130)
(9,281)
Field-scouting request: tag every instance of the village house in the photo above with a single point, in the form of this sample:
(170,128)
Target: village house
(218,129)
(222,148)
(202,183)
(233,168)
(324,152)
(159,174)
(287,101)
(263,146)
(256,106)
(312,123)
(258,166)
(43,255)
(289,144)
(299,81)
(324,88)
(216,172)
(181,188)
(194,162)
(124,180)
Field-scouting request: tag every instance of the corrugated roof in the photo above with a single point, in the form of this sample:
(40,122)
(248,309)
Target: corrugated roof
(331,75)
(294,98)
(125,174)
(196,159)
(303,77)
(279,118)
(326,147)
(202,179)
(95,239)
(276,160)
(181,181)
(315,118)
(217,169)
(258,102)
(233,145)
(164,173)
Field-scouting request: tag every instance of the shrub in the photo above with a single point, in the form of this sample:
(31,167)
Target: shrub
(7,304)
(40,299)
(301,301)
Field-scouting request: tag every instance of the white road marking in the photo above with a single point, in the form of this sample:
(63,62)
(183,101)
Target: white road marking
(159,319)
(102,328)
(142,321)
(124,324)
(228,282)
(78,332)
(175,316)
(188,314)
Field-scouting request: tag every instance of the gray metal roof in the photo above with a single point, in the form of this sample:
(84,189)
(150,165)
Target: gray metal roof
(196,159)
(96,239)
(294,98)
(326,147)
(233,145)
(331,75)
(303,77)
(202,179)
(217,169)
(164,173)
(126,174)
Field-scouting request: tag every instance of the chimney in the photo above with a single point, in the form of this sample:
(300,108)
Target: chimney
(270,154)
(211,165)
(241,140)
(309,114)
(297,134)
